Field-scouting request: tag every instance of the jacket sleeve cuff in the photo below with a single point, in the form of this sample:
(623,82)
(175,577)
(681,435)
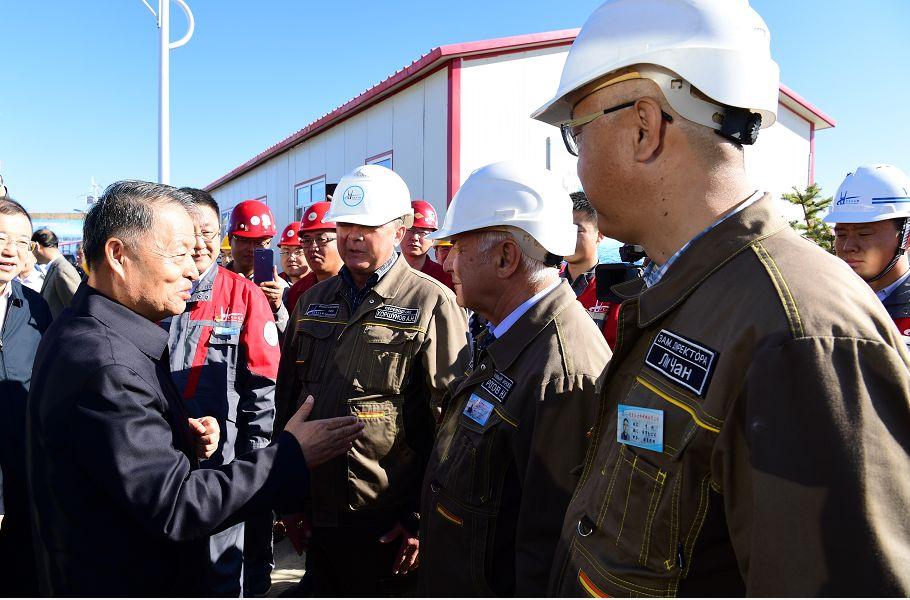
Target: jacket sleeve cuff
(294,475)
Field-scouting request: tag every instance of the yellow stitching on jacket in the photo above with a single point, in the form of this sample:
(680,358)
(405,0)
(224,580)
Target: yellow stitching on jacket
(678,403)
(609,496)
(618,581)
(700,515)
(417,329)
(783,291)
(319,321)
(588,585)
(625,509)
(684,399)
(449,516)
(503,416)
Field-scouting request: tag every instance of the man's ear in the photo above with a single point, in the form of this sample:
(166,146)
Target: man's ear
(650,121)
(508,259)
(115,256)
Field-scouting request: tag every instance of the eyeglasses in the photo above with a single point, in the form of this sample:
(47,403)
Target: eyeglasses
(320,241)
(208,236)
(294,252)
(572,129)
(22,246)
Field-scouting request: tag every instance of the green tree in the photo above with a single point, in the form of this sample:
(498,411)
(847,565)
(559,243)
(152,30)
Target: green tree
(813,206)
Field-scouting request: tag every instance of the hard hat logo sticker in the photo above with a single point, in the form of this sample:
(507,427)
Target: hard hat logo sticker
(845,199)
(353,195)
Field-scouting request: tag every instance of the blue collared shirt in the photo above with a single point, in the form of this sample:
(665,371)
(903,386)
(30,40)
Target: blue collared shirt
(883,294)
(359,295)
(501,329)
(654,273)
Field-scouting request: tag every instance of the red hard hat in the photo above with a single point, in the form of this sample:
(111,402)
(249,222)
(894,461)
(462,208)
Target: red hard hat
(312,218)
(252,219)
(425,215)
(289,237)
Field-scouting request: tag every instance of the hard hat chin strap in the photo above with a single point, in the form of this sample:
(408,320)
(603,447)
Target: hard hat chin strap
(903,236)
(740,125)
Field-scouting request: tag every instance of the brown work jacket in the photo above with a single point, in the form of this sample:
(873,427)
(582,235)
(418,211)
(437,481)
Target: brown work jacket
(389,363)
(501,474)
(783,387)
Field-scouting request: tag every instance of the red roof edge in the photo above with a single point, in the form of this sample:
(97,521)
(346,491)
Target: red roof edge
(807,105)
(428,60)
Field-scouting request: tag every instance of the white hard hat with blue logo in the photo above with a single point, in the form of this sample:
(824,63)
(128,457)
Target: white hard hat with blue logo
(871,193)
(371,195)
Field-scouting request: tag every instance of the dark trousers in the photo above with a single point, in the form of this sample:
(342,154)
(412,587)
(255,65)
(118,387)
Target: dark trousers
(224,573)
(258,554)
(18,573)
(350,561)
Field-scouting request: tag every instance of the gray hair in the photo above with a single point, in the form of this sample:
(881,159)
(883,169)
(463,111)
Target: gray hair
(537,272)
(126,210)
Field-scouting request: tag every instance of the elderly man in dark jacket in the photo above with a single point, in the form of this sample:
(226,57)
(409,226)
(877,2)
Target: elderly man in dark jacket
(121,506)
(24,316)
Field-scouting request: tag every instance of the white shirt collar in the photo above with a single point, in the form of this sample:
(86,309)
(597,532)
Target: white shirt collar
(524,307)
(882,294)
(4,301)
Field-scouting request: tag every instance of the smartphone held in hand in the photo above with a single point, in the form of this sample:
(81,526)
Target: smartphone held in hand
(263,262)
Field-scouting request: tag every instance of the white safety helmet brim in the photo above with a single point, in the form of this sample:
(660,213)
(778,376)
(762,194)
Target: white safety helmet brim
(720,47)
(510,196)
(870,194)
(371,195)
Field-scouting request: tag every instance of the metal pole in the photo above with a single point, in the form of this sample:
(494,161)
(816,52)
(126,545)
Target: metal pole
(164,87)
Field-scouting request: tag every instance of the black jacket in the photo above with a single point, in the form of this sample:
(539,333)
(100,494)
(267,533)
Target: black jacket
(27,318)
(120,505)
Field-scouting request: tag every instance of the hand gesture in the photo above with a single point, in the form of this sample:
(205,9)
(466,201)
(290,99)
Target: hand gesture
(206,433)
(408,557)
(297,528)
(323,439)
(273,290)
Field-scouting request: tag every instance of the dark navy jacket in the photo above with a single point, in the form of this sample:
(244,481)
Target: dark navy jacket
(120,505)
(27,318)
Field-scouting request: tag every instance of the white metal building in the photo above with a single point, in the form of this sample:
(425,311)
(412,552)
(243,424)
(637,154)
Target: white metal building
(460,107)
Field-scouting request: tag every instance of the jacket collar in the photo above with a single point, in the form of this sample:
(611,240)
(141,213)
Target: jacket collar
(506,349)
(204,287)
(900,296)
(16,297)
(706,254)
(146,335)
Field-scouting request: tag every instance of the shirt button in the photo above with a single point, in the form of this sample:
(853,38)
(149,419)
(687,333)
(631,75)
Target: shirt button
(434,487)
(483,367)
(585,526)
(372,301)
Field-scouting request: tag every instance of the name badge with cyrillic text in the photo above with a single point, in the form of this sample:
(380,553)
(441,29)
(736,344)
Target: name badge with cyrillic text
(682,361)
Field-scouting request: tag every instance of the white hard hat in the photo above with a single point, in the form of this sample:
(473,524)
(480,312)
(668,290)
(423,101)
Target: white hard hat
(869,194)
(371,195)
(707,56)
(516,198)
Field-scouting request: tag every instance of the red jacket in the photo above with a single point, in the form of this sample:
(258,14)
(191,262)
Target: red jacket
(224,357)
(434,270)
(605,314)
(297,290)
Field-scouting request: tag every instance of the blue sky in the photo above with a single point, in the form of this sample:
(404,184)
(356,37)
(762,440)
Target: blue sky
(79,79)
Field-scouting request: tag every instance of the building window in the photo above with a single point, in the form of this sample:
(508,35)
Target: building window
(383,160)
(307,193)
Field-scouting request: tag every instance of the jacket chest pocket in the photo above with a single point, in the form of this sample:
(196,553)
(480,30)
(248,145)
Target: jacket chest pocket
(650,503)
(313,349)
(474,465)
(381,463)
(385,358)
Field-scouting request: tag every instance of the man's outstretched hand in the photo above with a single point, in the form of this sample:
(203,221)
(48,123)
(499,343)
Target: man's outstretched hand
(323,439)
(206,434)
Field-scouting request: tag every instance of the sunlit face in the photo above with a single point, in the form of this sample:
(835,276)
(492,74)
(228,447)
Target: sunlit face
(208,241)
(321,247)
(364,249)
(415,243)
(441,253)
(18,233)
(866,247)
(158,269)
(586,238)
(243,249)
(293,261)
(472,272)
